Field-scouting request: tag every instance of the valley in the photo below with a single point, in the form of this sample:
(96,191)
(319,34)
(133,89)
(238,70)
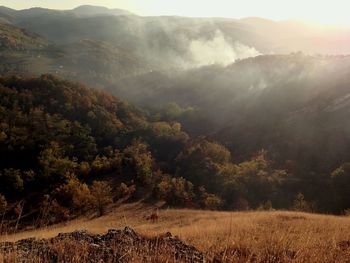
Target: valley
(127,137)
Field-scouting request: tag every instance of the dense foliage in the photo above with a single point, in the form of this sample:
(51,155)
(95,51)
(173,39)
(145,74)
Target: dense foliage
(67,149)
(55,136)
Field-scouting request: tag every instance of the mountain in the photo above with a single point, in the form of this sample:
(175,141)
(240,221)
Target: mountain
(95,62)
(89,10)
(20,50)
(80,11)
(7,11)
(127,45)
(148,43)
(5,18)
(117,26)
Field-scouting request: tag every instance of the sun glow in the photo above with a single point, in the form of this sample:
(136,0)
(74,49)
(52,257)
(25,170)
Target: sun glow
(323,12)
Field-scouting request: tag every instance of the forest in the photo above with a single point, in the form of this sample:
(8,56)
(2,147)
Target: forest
(67,149)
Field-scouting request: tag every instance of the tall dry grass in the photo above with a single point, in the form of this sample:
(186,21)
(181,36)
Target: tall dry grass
(274,236)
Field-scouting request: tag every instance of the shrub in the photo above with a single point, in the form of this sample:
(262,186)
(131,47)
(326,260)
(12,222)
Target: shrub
(266,206)
(11,181)
(51,212)
(175,191)
(299,203)
(124,191)
(57,213)
(76,196)
(102,195)
(208,201)
(212,202)
(3,204)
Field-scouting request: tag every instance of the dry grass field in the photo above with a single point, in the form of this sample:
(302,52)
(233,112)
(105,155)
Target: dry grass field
(275,236)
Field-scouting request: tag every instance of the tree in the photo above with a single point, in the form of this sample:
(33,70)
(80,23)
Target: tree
(3,204)
(138,162)
(259,180)
(11,181)
(175,191)
(102,196)
(212,202)
(3,207)
(207,200)
(341,186)
(202,162)
(55,167)
(166,140)
(125,191)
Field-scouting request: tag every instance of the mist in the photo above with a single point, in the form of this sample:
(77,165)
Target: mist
(219,51)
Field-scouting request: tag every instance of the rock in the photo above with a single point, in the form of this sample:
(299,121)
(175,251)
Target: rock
(115,246)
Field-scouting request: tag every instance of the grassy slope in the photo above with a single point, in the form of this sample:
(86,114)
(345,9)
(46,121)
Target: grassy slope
(303,237)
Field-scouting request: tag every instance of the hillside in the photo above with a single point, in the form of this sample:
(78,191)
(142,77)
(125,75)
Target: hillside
(15,39)
(61,140)
(284,97)
(55,135)
(226,236)
(23,52)
(113,44)
(64,145)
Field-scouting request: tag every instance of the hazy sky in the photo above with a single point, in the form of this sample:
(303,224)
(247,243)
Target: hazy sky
(323,11)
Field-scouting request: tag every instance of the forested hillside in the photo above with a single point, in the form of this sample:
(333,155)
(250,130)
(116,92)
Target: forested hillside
(294,106)
(67,149)
(55,135)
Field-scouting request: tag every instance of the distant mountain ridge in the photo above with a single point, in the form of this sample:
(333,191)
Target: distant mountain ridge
(89,10)
(122,28)
(84,10)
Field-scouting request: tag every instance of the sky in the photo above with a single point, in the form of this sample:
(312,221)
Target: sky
(335,12)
